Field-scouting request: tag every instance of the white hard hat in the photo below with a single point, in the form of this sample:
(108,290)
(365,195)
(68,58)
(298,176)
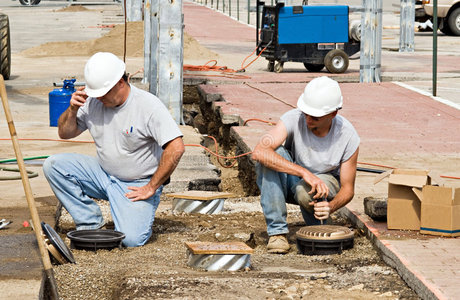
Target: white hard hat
(102,72)
(321,96)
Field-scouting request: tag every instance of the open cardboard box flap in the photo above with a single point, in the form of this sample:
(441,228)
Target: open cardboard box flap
(408,180)
(409,177)
(439,195)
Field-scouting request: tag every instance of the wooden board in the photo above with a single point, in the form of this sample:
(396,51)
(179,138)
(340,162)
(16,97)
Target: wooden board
(219,248)
(201,195)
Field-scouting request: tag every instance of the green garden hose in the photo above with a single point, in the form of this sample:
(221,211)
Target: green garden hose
(30,174)
(25,158)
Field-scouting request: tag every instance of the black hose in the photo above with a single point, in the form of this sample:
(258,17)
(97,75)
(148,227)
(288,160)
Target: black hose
(369,170)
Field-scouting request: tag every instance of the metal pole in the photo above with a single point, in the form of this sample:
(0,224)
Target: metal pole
(435,46)
(249,8)
(257,24)
(134,10)
(371,41)
(154,29)
(170,57)
(147,35)
(238,10)
(229,8)
(406,26)
(378,40)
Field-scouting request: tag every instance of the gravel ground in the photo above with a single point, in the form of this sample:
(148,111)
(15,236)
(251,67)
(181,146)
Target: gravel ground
(159,269)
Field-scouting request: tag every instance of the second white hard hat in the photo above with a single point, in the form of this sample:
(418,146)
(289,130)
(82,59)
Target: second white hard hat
(102,71)
(321,96)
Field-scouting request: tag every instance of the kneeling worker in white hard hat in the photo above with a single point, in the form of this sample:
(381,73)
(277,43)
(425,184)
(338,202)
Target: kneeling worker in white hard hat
(309,156)
(138,147)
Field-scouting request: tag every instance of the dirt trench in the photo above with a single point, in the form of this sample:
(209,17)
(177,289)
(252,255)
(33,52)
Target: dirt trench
(239,179)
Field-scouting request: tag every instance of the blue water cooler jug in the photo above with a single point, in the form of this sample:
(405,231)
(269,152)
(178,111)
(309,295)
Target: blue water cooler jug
(59,100)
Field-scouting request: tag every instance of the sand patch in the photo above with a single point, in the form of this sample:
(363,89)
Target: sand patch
(72,8)
(113,42)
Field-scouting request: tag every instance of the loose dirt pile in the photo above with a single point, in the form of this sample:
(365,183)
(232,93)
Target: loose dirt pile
(113,41)
(72,8)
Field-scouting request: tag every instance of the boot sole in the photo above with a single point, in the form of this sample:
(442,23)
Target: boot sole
(277,251)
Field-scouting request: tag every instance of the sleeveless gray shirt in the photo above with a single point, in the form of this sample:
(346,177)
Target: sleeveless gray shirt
(319,155)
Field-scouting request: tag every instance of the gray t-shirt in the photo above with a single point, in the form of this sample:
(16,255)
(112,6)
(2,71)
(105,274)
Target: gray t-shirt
(319,155)
(129,138)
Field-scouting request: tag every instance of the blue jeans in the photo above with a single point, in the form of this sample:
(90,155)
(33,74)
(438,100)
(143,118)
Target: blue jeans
(75,179)
(277,189)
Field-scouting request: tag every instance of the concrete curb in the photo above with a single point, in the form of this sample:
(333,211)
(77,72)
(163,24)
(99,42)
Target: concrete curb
(391,256)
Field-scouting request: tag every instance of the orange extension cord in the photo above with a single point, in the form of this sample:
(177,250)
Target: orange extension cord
(211,152)
(225,72)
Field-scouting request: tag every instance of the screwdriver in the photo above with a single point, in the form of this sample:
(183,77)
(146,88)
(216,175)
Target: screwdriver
(321,200)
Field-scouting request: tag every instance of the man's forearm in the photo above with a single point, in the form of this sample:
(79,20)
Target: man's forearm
(168,162)
(67,124)
(276,162)
(342,198)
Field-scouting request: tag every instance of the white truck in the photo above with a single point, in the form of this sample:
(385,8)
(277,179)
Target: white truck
(448,15)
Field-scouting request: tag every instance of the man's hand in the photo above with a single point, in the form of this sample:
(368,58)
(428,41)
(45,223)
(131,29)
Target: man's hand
(319,189)
(140,193)
(78,98)
(322,210)
(67,123)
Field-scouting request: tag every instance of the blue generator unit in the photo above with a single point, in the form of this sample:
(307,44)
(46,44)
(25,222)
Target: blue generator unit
(315,35)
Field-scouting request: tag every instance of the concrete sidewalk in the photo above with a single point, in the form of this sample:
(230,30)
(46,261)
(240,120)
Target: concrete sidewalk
(399,127)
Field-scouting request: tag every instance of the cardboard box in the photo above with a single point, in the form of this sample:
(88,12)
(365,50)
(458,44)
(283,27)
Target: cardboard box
(440,214)
(404,207)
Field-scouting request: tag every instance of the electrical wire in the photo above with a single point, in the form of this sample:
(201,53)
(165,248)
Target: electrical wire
(125,33)
(243,68)
(217,154)
(49,140)
(217,158)
(225,71)
(259,120)
(267,93)
(205,148)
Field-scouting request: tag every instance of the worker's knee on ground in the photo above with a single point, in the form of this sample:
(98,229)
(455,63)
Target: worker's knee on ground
(132,240)
(303,198)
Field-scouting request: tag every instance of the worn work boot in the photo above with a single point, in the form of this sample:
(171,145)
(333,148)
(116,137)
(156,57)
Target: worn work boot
(278,244)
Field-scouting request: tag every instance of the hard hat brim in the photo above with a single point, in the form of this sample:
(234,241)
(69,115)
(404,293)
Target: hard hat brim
(96,93)
(102,91)
(309,110)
